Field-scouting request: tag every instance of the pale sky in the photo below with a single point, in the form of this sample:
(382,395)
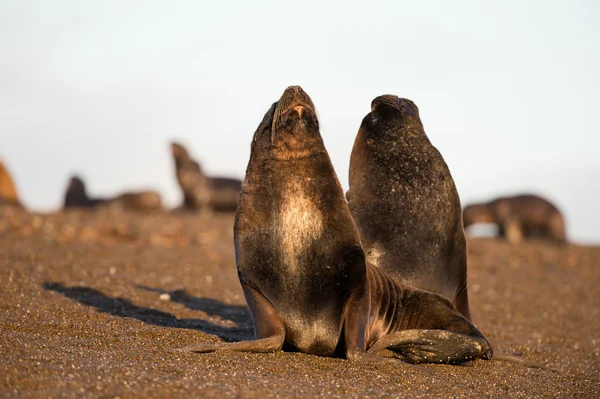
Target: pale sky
(508,91)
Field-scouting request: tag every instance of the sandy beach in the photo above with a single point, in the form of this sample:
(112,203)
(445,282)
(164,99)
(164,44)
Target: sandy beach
(92,304)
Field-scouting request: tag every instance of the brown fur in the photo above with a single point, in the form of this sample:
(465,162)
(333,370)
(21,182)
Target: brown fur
(518,217)
(405,204)
(302,267)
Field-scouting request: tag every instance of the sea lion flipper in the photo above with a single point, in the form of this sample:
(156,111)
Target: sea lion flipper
(519,360)
(269,328)
(354,333)
(437,332)
(433,346)
(268,322)
(270,344)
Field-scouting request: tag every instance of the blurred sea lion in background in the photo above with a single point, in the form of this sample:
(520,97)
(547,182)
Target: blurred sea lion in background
(405,203)
(8,191)
(201,192)
(76,196)
(519,217)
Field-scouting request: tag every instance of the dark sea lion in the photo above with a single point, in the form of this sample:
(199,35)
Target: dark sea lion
(405,204)
(518,217)
(302,267)
(199,191)
(8,191)
(76,197)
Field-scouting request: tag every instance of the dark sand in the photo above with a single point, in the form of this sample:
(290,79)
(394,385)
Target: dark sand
(92,304)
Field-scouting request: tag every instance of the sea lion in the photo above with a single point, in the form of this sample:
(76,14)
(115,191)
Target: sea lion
(520,216)
(302,267)
(8,191)
(405,203)
(76,197)
(193,183)
(201,192)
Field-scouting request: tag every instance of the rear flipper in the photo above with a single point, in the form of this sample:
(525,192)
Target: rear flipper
(429,329)
(433,346)
(270,344)
(524,362)
(269,328)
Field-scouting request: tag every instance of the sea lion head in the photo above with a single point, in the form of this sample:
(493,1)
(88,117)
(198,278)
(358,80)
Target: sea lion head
(477,213)
(290,128)
(394,111)
(180,153)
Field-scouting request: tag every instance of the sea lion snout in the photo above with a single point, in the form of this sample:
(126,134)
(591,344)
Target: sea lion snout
(295,98)
(294,114)
(404,105)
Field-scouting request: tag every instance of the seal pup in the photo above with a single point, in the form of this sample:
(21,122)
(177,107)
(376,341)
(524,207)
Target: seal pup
(302,267)
(518,217)
(405,204)
(8,191)
(201,192)
(76,197)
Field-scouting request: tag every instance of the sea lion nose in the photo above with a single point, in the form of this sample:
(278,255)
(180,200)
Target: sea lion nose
(299,109)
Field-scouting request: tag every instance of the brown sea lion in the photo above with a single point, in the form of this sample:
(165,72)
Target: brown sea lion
(302,267)
(202,192)
(519,217)
(77,197)
(193,183)
(8,191)
(405,204)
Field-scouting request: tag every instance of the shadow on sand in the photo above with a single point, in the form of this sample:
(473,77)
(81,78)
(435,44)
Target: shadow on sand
(124,308)
(212,307)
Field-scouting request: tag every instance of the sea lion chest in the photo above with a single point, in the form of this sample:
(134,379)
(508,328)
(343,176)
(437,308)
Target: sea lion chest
(287,248)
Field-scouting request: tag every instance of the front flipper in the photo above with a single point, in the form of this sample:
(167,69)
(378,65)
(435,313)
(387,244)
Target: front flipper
(269,328)
(433,346)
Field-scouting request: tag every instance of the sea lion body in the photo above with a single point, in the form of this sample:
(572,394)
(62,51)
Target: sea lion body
(147,200)
(8,191)
(201,192)
(76,197)
(302,267)
(224,193)
(519,216)
(405,203)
